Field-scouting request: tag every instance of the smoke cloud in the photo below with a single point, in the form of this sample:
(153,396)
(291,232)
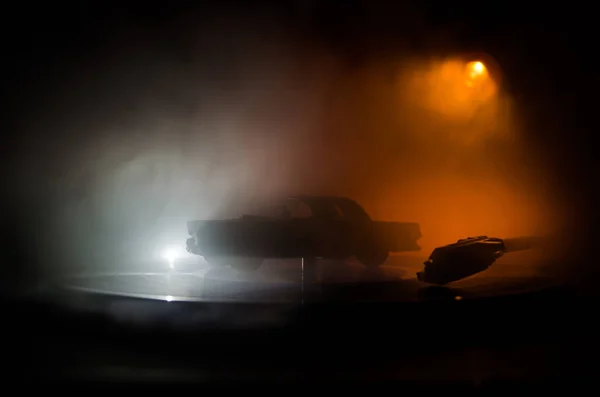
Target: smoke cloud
(151,137)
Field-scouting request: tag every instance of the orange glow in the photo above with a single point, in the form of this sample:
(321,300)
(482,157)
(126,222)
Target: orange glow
(477,74)
(433,150)
(454,89)
(450,206)
(476,68)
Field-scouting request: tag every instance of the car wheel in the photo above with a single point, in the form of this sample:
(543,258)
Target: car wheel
(373,256)
(247,264)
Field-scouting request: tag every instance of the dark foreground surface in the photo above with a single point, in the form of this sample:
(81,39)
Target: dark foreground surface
(170,328)
(294,281)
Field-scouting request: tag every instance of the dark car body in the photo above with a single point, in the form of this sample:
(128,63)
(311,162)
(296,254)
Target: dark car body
(306,226)
(462,259)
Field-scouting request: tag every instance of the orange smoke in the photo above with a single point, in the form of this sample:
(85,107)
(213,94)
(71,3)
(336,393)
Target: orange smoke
(440,146)
(453,89)
(450,207)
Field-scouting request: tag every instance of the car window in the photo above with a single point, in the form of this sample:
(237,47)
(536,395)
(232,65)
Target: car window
(296,209)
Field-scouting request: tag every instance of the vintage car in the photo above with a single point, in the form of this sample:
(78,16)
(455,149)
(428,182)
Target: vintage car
(301,227)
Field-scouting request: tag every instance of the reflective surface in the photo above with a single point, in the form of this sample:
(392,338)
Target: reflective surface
(192,279)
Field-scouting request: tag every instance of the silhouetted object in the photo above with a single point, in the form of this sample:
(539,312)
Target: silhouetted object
(307,227)
(468,256)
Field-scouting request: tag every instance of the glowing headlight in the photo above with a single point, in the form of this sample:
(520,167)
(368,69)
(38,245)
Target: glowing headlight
(171,253)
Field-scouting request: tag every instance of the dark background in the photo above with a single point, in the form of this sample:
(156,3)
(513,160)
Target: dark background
(546,53)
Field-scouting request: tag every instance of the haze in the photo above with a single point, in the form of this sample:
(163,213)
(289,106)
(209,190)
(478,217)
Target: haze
(149,139)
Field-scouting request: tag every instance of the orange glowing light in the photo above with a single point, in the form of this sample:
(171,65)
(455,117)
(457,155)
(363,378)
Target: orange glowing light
(476,70)
(455,88)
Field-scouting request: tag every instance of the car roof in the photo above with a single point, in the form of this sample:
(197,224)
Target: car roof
(319,204)
(320,198)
